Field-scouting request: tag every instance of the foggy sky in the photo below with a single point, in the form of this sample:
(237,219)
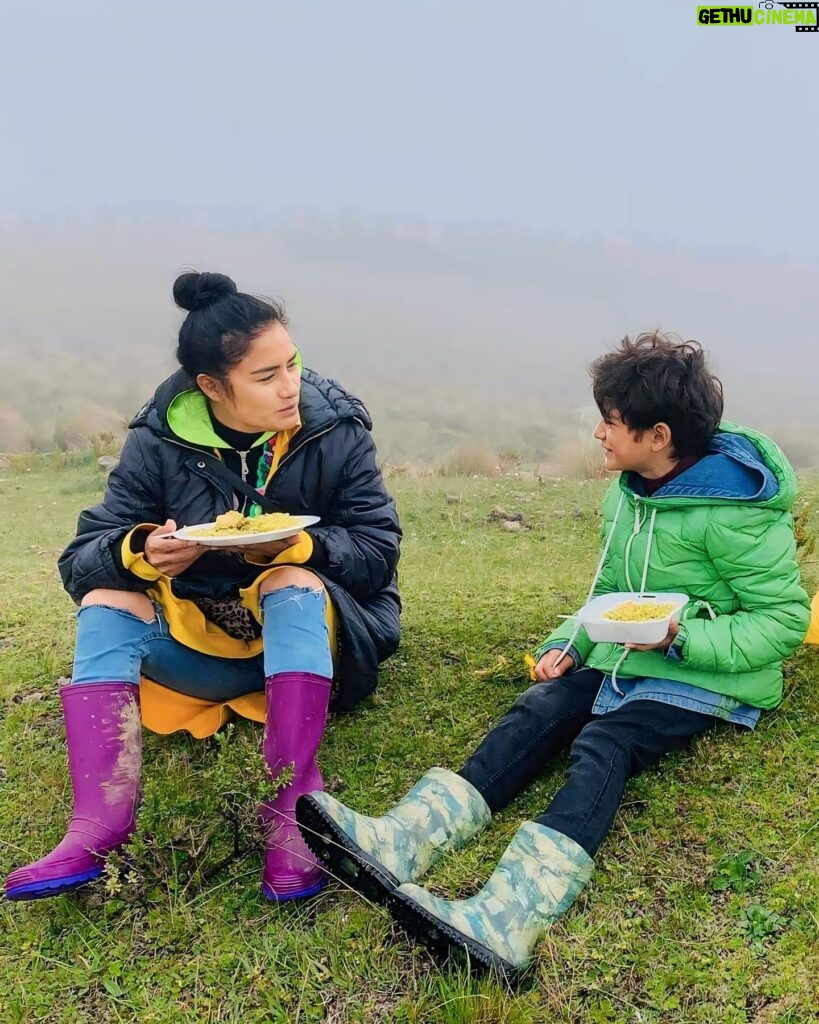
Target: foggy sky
(443,192)
(586,120)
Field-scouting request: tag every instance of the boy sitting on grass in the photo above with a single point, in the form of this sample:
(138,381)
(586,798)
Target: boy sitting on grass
(699,506)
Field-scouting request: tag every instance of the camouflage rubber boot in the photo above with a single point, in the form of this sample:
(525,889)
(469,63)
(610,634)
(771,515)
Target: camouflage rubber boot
(374,855)
(536,881)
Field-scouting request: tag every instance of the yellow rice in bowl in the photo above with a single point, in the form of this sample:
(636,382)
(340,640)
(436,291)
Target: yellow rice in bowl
(638,611)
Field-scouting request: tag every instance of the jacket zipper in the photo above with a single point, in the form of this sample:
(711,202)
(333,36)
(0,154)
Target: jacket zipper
(634,532)
(243,457)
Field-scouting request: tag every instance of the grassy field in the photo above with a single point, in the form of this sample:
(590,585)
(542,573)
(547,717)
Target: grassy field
(704,907)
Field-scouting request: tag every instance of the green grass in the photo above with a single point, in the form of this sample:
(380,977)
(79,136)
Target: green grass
(704,907)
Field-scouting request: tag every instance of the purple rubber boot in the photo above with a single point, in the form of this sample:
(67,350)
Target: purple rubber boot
(296,716)
(103,733)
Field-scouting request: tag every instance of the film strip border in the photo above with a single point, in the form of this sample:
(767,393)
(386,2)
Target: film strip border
(804,7)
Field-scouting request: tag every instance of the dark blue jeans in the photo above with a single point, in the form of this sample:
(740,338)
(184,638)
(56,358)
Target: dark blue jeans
(605,751)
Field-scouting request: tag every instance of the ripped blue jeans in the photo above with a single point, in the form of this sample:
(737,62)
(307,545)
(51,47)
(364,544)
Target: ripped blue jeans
(113,644)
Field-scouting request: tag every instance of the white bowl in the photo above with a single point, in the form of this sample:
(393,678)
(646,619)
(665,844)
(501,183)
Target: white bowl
(606,631)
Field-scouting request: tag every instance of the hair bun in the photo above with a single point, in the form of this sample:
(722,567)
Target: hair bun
(193,291)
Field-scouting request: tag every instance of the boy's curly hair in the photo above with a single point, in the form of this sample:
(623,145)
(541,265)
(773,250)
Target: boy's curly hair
(659,378)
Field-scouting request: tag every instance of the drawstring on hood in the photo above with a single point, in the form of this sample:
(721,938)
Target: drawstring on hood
(638,523)
(597,572)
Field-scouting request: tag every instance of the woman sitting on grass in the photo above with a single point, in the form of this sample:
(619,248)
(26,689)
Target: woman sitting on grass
(193,631)
(698,507)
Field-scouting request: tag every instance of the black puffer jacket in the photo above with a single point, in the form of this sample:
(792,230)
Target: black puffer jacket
(329,470)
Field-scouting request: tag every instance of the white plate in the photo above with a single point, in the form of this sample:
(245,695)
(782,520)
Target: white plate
(607,631)
(242,539)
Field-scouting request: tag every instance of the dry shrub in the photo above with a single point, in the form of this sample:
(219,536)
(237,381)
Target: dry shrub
(92,428)
(469,460)
(411,470)
(15,433)
(805,537)
(109,442)
(581,459)
(509,461)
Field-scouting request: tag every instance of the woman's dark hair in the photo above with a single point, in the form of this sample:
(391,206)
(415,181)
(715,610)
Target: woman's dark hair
(221,323)
(659,378)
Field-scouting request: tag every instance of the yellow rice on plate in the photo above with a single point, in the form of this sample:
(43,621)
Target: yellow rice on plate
(234,524)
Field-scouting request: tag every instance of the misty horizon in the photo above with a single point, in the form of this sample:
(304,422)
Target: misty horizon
(461,207)
(413,317)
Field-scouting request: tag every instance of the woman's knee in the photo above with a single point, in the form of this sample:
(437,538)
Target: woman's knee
(290,576)
(126,600)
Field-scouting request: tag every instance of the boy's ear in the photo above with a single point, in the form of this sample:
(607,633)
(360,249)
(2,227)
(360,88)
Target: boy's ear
(661,439)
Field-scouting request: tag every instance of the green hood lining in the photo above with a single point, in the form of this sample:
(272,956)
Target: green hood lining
(189,419)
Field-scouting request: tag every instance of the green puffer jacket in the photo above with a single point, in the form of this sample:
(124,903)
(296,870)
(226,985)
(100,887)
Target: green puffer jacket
(721,532)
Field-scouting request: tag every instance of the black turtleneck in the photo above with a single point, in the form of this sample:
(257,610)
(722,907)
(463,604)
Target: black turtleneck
(239,441)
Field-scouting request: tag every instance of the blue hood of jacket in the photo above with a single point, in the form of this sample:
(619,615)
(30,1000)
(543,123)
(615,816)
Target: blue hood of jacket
(733,469)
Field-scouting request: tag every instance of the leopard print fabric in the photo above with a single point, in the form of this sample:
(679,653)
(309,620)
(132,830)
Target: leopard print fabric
(230,615)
